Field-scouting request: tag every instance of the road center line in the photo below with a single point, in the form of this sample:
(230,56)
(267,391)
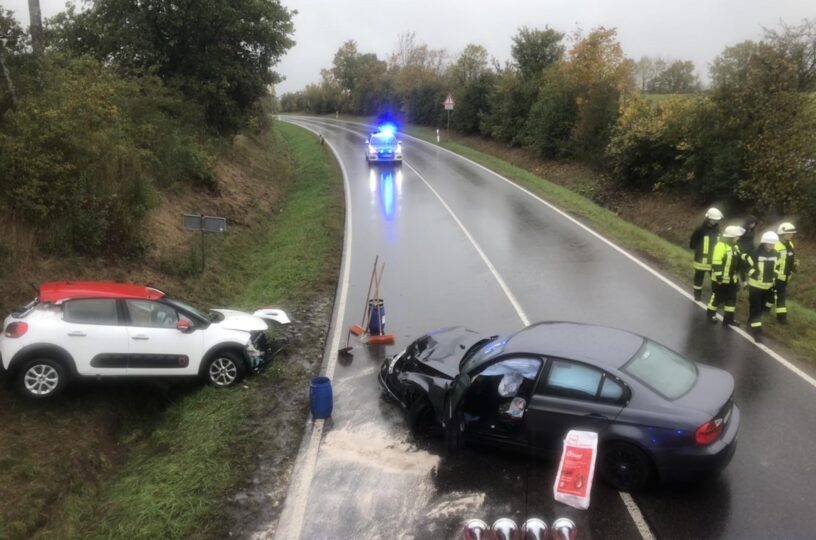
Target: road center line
(290,524)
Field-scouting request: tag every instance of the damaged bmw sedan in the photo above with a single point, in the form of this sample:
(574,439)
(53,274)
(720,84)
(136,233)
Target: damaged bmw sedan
(658,415)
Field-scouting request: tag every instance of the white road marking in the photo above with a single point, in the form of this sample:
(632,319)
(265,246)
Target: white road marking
(637,516)
(290,524)
(499,279)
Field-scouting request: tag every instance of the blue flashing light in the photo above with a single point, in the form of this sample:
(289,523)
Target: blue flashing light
(388,129)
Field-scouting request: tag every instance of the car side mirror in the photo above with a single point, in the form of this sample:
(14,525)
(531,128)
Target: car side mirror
(399,142)
(367,142)
(184,326)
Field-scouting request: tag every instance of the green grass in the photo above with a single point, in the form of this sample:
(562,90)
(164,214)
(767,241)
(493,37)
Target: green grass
(176,479)
(797,339)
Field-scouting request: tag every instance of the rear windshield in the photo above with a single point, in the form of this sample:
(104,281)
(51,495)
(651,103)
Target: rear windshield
(663,370)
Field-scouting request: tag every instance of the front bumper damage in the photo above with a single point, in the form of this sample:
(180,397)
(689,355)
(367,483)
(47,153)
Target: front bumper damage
(261,348)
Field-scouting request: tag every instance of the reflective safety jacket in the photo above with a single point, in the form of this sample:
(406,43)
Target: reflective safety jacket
(761,268)
(702,242)
(786,263)
(725,262)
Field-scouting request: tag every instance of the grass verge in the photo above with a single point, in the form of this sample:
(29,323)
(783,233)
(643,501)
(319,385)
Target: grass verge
(181,462)
(798,339)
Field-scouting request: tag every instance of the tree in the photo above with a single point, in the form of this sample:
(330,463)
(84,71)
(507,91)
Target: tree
(677,78)
(417,77)
(219,52)
(12,44)
(534,50)
(644,72)
(600,75)
(798,42)
(469,66)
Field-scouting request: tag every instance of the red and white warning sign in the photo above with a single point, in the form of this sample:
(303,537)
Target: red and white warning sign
(573,483)
(449,103)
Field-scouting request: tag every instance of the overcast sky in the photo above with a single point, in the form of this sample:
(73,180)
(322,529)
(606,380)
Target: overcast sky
(696,30)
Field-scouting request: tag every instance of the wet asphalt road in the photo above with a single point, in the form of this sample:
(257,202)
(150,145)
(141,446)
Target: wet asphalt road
(372,480)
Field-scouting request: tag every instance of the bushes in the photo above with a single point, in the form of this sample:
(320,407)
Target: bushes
(79,159)
(751,141)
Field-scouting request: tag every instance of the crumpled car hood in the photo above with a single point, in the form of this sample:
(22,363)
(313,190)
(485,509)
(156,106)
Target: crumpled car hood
(238,320)
(442,350)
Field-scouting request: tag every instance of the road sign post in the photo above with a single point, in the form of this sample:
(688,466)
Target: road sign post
(204,224)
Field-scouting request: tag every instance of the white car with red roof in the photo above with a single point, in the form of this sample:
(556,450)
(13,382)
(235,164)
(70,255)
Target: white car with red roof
(96,330)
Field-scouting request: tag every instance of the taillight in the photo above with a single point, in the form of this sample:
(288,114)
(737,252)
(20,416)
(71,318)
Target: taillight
(16,329)
(709,432)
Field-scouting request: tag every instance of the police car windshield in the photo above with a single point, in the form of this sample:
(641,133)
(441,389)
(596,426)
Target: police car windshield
(383,139)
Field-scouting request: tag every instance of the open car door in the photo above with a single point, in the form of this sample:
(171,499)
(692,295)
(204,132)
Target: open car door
(454,419)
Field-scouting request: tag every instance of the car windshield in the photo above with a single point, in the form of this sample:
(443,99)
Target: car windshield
(482,351)
(383,140)
(204,315)
(663,370)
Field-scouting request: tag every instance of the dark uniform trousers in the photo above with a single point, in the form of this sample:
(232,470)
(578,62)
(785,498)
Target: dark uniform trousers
(781,306)
(759,300)
(723,294)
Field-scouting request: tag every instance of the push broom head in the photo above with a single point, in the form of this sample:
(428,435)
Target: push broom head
(385,339)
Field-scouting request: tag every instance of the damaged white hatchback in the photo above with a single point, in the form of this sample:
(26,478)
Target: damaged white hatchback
(103,330)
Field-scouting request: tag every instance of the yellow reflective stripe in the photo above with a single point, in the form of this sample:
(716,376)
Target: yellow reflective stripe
(781,310)
(730,309)
(706,246)
(701,266)
(756,324)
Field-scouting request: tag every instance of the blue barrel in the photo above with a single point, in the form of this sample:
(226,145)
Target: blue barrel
(320,397)
(376,321)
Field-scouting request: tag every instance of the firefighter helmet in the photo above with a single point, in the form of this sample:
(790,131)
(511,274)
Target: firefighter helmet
(786,228)
(769,237)
(733,231)
(713,214)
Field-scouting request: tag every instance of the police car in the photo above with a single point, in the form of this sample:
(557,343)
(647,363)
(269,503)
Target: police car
(383,146)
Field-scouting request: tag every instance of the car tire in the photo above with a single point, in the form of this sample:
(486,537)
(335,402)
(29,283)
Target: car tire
(224,369)
(420,417)
(625,467)
(41,378)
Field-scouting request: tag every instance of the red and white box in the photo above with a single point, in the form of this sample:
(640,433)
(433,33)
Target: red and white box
(573,483)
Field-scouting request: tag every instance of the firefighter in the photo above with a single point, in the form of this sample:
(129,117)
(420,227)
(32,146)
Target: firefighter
(786,265)
(725,264)
(761,270)
(746,242)
(702,243)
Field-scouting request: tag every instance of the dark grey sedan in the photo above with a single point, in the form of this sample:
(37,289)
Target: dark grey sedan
(658,415)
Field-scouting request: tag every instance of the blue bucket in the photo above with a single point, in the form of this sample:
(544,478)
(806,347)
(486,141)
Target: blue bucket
(320,397)
(376,320)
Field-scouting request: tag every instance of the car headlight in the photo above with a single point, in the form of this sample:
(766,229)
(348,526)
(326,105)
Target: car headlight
(399,149)
(371,149)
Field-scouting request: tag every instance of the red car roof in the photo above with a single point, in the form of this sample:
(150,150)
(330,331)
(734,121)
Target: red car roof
(64,290)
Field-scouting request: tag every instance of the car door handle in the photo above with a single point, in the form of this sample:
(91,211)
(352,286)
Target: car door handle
(597,415)
(141,337)
(77,333)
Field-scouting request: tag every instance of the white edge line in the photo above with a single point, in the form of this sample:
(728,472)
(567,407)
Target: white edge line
(637,516)
(290,524)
